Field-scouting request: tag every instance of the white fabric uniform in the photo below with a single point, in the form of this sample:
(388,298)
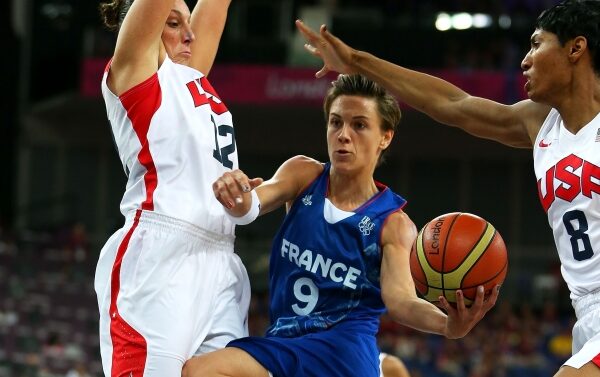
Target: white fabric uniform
(567,168)
(168,283)
(382,356)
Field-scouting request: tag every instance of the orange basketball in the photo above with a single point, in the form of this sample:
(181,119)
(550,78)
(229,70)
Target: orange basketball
(457,251)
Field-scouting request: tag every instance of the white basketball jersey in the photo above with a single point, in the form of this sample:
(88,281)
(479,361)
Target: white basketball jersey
(175,137)
(567,168)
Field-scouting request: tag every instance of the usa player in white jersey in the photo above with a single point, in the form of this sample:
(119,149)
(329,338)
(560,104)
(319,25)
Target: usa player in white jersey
(340,258)
(559,121)
(168,283)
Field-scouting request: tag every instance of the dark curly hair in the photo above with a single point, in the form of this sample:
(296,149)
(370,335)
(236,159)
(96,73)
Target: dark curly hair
(114,12)
(571,18)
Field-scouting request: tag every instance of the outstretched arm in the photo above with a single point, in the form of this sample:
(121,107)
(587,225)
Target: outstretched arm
(516,125)
(208,22)
(233,189)
(399,294)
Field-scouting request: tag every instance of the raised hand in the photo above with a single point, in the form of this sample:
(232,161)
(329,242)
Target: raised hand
(336,55)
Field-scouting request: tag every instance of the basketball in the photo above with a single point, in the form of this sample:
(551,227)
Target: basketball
(457,251)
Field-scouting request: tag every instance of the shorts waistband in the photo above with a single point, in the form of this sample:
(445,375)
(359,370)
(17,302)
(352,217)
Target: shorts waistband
(585,304)
(167,223)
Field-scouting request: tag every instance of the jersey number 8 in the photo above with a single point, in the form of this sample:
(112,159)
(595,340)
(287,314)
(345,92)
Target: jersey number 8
(580,240)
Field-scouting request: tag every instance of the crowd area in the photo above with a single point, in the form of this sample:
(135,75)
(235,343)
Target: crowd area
(48,321)
(48,310)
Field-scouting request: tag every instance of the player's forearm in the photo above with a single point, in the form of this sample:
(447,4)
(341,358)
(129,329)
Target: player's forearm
(210,8)
(428,94)
(207,22)
(419,315)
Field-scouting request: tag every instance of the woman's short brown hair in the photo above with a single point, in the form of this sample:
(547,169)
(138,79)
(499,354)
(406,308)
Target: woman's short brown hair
(358,85)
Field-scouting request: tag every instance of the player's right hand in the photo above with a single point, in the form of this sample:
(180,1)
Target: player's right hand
(461,319)
(336,55)
(232,190)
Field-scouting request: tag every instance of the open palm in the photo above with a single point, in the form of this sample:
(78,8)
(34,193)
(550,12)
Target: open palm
(336,55)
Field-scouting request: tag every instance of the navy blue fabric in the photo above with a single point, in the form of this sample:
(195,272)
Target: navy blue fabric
(337,352)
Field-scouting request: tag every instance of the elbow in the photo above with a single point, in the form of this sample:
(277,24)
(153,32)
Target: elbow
(399,312)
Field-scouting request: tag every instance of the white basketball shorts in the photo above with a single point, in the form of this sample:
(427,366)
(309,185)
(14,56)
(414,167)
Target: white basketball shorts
(586,332)
(167,290)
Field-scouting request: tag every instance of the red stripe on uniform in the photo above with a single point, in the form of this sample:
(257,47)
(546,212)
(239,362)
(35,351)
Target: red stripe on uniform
(596,360)
(129,347)
(217,107)
(107,67)
(141,103)
(198,98)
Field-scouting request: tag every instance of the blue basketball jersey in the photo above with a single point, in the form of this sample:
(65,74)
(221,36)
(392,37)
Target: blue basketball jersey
(325,292)
(323,274)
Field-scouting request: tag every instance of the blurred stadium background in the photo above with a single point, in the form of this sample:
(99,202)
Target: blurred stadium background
(62,182)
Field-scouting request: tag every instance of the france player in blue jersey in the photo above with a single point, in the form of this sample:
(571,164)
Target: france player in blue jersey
(341,256)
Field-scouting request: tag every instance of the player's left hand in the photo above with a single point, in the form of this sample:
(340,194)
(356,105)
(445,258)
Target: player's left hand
(461,319)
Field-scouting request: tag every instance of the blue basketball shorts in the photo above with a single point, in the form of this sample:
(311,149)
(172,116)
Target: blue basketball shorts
(329,353)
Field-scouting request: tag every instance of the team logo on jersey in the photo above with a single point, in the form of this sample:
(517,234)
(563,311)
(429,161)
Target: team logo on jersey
(366,226)
(568,178)
(307,200)
(203,93)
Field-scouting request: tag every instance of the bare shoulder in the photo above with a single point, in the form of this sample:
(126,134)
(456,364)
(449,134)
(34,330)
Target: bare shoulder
(399,219)
(138,52)
(304,161)
(295,174)
(399,228)
(302,167)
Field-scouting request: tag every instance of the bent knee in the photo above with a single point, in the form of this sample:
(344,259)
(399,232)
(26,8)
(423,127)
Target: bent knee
(222,363)
(198,366)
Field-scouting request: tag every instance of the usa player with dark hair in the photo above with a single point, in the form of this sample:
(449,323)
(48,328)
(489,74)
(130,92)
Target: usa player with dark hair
(341,256)
(560,121)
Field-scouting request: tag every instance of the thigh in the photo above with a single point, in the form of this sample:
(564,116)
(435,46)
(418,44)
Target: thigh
(586,331)
(586,341)
(160,366)
(167,293)
(230,313)
(232,362)
(161,303)
(102,286)
(588,370)
(327,353)
(105,264)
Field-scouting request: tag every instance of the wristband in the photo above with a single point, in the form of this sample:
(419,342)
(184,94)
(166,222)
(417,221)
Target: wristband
(251,215)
